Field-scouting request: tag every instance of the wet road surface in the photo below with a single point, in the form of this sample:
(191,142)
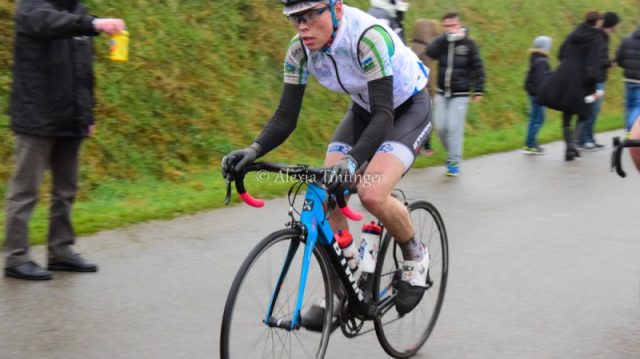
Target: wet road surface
(544,263)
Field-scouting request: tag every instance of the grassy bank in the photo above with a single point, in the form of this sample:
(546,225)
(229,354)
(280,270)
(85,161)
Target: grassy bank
(204,77)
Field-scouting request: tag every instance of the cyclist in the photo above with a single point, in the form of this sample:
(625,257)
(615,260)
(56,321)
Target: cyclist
(389,119)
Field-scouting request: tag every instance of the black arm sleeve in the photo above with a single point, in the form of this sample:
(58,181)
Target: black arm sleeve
(284,120)
(594,63)
(435,48)
(477,69)
(620,54)
(40,19)
(381,99)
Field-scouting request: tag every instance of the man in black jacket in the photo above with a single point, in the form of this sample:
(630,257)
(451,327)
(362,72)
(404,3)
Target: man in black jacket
(460,71)
(587,140)
(51,112)
(628,58)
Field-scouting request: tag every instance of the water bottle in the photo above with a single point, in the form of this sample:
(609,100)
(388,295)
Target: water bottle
(349,250)
(369,246)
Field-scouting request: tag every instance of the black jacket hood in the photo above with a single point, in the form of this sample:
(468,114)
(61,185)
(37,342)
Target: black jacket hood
(636,33)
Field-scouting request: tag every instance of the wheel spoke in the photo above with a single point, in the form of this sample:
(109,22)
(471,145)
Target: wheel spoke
(402,336)
(255,283)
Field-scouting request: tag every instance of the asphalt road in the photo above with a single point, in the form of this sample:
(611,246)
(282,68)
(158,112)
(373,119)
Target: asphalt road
(544,263)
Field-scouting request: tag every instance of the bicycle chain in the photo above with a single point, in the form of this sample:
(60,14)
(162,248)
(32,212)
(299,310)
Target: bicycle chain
(350,325)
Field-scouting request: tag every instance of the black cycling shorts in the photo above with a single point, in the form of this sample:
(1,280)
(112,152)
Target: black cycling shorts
(411,129)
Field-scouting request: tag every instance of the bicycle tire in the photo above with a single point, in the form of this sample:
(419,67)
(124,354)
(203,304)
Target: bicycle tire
(242,334)
(402,337)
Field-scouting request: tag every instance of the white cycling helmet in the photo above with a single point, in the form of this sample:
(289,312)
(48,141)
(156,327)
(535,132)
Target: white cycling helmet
(296,6)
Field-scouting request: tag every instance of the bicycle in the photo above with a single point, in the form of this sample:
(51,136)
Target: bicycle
(263,311)
(616,155)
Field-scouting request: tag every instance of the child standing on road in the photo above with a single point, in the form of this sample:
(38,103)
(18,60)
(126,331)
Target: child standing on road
(539,68)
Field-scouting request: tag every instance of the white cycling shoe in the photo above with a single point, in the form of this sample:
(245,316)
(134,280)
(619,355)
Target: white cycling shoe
(413,284)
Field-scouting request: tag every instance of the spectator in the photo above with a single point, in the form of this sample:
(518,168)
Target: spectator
(460,73)
(587,140)
(390,13)
(424,31)
(572,87)
(539,69)
(628,58)
(51,113)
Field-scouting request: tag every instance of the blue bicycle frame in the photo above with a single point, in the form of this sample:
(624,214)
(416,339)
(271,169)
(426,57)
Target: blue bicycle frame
(317,228)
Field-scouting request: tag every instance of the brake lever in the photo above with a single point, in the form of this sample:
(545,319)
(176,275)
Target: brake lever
(227,199)
(612,163)
(616,157)
(619,169)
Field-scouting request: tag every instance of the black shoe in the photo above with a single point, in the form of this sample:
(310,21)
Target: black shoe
(313,318)
(73,263)
(571,153)
(568,155)
(576,153)
(29,271)
(413,284)
(408,297)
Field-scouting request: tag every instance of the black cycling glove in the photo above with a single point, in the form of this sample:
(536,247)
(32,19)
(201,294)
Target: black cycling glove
(342,174)
(237,160)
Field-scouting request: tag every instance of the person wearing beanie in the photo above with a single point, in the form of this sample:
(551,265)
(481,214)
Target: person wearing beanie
(539,70)
(610,20)
(573,83)
(587,141)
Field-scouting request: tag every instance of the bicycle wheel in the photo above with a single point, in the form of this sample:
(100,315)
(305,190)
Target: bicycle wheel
(244,332)
(403,336)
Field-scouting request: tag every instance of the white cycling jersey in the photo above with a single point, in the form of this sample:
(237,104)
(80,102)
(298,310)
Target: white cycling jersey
(363,50)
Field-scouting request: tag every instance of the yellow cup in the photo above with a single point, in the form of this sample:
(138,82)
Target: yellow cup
(119,47)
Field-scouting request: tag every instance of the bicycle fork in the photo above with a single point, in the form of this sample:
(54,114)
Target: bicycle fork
(294,323)
(316,229)
(311,214)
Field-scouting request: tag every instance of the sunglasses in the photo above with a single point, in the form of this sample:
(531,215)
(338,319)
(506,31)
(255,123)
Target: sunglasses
(308,17)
